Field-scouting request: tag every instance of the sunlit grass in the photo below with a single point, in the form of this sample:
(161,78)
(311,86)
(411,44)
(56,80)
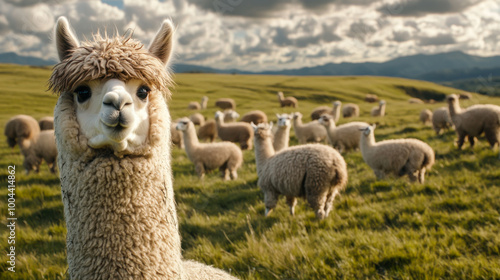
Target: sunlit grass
(447,228)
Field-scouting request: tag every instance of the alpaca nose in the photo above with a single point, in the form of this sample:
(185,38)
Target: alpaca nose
(117,99)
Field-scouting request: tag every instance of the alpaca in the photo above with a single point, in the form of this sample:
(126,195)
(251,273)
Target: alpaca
(21,130)
(223,155)
(315,172)
(289,101)
(399,157)
(112,130)
(475,120)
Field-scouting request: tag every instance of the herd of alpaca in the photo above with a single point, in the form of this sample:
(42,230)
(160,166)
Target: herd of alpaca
(112,135)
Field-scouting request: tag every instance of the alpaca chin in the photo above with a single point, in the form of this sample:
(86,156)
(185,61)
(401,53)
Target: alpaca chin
(119,139)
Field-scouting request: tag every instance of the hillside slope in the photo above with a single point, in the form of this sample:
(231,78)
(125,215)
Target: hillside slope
(447,228)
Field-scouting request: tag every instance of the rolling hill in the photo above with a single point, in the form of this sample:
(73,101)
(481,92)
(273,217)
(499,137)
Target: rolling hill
(447,228)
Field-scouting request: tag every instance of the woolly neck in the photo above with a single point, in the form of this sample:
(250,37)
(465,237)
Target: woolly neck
(263,151)
(191,141)
(454,107)
(281,137)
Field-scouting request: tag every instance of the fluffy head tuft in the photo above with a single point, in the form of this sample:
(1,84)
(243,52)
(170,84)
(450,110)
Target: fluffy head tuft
(120,58)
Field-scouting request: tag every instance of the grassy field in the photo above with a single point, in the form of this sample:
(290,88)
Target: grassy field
(447,228)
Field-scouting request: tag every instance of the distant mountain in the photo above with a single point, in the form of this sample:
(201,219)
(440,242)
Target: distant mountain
(442,67)
(13,58)
(436,67)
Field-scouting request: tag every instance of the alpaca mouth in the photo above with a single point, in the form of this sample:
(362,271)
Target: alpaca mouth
(117,133)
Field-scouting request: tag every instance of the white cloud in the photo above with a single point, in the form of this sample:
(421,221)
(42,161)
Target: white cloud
(271,35)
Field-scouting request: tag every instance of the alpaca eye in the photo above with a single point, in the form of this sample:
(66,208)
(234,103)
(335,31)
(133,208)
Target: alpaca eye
(143,92)
(83,93)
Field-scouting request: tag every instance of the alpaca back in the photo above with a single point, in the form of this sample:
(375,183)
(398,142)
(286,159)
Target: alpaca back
(287,171)
(475,119)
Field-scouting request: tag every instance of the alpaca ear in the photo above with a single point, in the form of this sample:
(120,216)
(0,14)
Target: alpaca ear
(161,45)
(66,41)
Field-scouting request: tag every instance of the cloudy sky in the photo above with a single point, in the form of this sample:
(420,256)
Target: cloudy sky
(267,34)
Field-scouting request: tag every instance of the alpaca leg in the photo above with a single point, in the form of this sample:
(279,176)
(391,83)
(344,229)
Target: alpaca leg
(460,140)
(270,200)
(413,175)
(329,201)
(471,140)
(225,173)
(234,174)
(379,174)
(200,170)
(437,130)
(493,136)
(291,201)
(341,148)
(317,203)
(244,145)
(421,175)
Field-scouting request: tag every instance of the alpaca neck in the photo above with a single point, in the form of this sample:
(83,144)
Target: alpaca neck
(366,142)
(382,109)
(297,122)
(191,141)
(281,138)
(330,129)
(454,108)
(336,112)
(280,97)
(263,151)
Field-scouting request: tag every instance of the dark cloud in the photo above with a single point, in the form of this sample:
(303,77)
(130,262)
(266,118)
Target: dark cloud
(270,8)
(28,3)
(438,40)
(424,7)
(360,30)
(283,37)
(401,36)
(245,8)
(376,44)
(186,39)
(339,52)
(319,54)
(318,5)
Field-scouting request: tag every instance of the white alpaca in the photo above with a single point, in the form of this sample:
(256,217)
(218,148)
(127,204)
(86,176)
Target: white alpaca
(113,138)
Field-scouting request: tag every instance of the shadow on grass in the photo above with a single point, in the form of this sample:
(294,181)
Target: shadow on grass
(44,217)
(225,232)
(216,201)
(39,180)
(41,246)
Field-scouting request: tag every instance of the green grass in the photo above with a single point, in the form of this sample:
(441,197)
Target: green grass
(447,228)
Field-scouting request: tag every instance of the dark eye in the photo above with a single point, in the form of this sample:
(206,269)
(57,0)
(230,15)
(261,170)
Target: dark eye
(83,93)
(143,92)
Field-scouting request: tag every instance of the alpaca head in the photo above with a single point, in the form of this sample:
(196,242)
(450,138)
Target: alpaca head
(368,130)
(326,120)
(382,102)
(284,120)
(262,130)
(219,116)
(183,124)
(112,81)
(297,116)
(452,99)
(337,103)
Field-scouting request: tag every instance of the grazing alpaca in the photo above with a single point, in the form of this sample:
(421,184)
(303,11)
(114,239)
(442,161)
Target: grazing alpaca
(112,130)
(288,101)
(315,172)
